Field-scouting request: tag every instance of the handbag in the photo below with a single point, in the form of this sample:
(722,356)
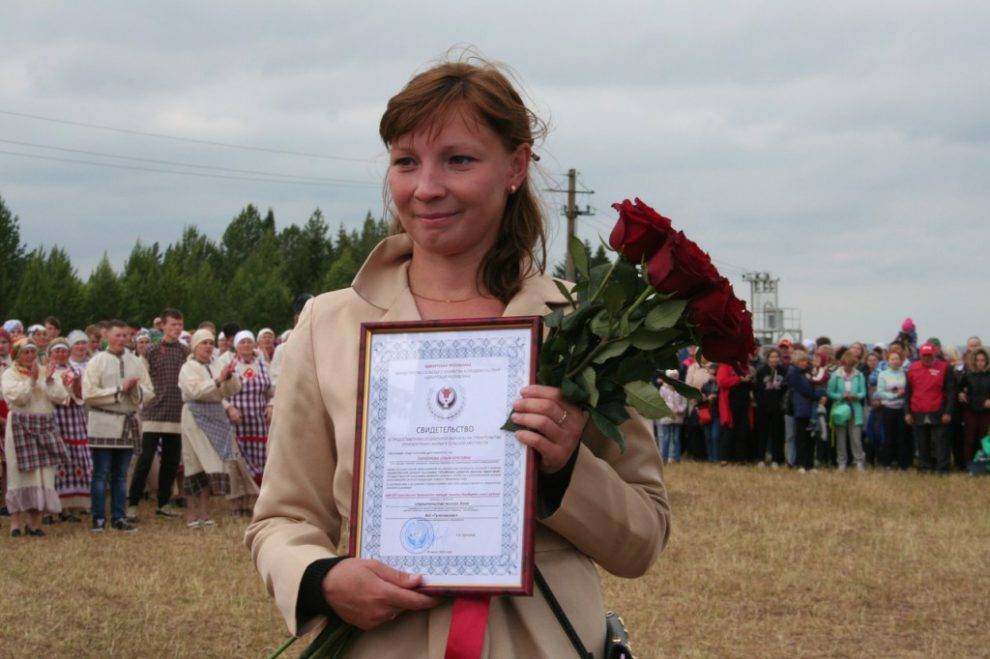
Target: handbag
(617,644)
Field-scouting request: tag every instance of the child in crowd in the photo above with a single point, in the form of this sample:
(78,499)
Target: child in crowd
(669,428)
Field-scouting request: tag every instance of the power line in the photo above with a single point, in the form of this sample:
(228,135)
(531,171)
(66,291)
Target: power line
(183,164)
(170,171)
(179,138)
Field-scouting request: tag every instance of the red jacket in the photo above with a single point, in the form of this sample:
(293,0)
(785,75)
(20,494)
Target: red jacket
(727,378)
(929,388)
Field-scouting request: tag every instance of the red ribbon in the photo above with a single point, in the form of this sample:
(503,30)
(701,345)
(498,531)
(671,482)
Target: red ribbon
(468,622)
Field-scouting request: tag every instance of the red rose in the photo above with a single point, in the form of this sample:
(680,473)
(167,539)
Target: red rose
(639,231)
(734,350)
(680,266)
(715,311)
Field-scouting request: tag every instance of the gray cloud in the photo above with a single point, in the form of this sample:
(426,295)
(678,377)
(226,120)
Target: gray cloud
(842,146)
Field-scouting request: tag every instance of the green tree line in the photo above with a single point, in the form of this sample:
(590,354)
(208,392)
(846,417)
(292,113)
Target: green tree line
(250,276)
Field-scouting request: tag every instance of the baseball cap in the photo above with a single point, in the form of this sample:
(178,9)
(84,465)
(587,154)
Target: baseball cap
(784,343)
(927,350)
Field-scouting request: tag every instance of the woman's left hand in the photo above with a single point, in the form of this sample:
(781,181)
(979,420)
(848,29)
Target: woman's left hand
(554,426)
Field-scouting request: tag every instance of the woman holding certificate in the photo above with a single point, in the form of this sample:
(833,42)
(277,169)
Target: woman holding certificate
(469,244)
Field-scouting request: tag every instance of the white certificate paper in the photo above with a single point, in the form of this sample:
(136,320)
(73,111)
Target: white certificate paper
(442,490)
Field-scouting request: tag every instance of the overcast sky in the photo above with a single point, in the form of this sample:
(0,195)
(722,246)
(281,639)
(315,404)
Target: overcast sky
(845,147)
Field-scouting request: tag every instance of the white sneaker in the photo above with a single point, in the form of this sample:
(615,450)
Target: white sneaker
(802,471)
(774,465)
(194,524)
(860,468)
(132,513)
(842,468)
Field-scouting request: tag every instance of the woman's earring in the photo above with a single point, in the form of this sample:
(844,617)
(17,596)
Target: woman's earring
(512,189)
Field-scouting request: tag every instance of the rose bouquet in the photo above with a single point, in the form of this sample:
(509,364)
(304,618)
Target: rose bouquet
(629,319)
(626,323)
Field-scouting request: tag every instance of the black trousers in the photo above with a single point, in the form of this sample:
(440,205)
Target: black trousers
(927,434)
(898,443)
(167,468)
(805,444)
(770,433)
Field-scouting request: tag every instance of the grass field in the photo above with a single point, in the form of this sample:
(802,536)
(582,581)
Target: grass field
(760,564)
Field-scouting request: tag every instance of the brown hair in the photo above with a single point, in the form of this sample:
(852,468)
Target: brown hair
(480,87)
(849,359)
(171,313)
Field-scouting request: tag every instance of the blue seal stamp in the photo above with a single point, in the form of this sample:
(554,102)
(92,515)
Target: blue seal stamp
(417,535)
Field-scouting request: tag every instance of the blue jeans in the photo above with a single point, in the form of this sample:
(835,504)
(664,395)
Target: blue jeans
(670,441)
(110,465)
(711,440)
(790,446)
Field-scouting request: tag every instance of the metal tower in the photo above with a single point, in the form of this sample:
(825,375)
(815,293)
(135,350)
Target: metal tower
(771,322)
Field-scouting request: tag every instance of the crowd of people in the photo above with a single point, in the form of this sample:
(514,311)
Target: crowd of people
(77,408)
(814,405)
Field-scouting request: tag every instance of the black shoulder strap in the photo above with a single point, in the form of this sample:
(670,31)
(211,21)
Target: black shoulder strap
(558,612)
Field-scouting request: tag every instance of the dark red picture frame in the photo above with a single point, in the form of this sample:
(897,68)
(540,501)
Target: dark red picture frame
(535,324)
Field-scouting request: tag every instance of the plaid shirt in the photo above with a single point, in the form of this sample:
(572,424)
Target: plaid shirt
(36,441)
(164,363)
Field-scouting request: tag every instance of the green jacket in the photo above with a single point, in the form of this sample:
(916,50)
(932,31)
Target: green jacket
(837,391)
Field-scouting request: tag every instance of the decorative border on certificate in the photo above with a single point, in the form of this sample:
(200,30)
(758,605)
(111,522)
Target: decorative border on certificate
(509,568)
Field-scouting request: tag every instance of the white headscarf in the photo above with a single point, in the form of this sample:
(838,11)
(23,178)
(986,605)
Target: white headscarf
(77,336)
(265,330)
(243,334)
(197,338)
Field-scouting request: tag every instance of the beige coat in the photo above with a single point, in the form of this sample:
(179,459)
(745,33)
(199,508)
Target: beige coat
(614,513)
(102,383)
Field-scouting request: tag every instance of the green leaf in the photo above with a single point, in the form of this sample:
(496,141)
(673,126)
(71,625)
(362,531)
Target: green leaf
(666,314)
(574,320)
(628,327)
(680,387)
(580,255)
(572,392)
(588,383)
(614,298)
(646,339)
(633,368)
(609,429)
(613,349)
(511,426)
(601,325)
(566,293)
(554,318)
(645,397)
(614,409)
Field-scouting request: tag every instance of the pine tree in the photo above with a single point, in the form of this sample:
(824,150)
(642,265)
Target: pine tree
(242,236)
(141,281)
(104,294)
(11,259)
(342,271)
(258,293)
(49,286)
(306,254)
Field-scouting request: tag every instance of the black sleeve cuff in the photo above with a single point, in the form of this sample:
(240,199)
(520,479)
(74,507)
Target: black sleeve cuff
(310,602)
(550,488)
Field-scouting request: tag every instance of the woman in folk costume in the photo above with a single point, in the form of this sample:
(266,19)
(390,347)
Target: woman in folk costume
(212,462)
(250,409)
(5,362)
(78,350)
(32,444)
(115,385)
(471,244)
(266,344)
(75,475)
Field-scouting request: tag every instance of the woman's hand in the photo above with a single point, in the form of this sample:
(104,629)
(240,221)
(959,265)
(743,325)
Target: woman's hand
(228,370)
(368,593)
(268,413)
(554,426)
(234,415)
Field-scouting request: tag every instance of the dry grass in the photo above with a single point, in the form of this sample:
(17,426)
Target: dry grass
(760,564)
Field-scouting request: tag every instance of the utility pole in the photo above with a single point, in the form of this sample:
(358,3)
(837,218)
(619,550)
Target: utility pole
(571,211)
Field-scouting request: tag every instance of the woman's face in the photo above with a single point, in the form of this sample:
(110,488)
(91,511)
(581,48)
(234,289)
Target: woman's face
(266,342)
(980,361)
(79,351)
(773,359)
(450,185)
(245,349)
(894,360)
(872,360)
(4,347)
(141,345)
(60,356)
(27,356)
(204,351)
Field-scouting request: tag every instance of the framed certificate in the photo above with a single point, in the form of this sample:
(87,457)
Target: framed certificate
(439,488)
